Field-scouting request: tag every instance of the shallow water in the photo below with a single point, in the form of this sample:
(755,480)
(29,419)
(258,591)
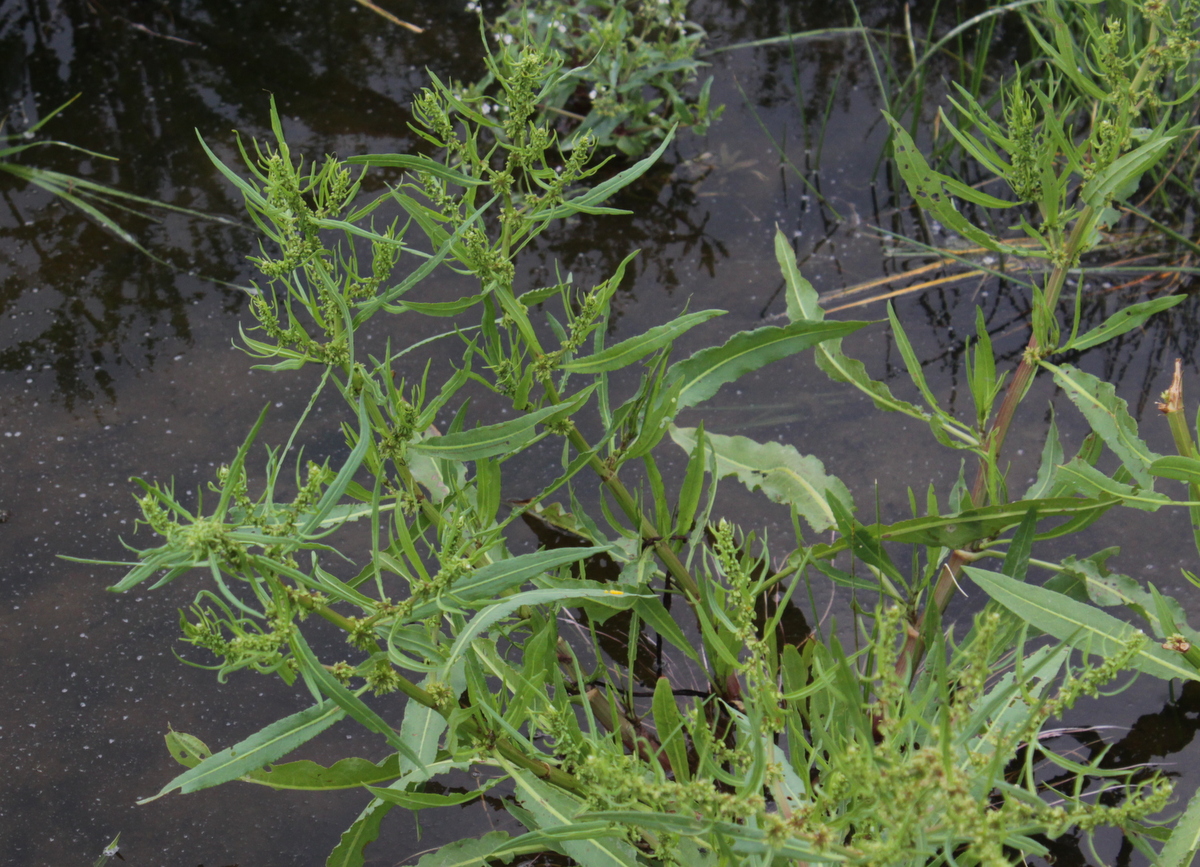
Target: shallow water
(112,366)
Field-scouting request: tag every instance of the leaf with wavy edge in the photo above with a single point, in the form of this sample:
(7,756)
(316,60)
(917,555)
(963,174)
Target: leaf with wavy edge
(703,374)
(348,773)
(781,472)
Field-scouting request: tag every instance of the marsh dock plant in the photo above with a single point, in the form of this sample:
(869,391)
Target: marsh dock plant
(914,747)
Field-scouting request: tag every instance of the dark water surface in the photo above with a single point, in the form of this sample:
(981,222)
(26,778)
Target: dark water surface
(113,366)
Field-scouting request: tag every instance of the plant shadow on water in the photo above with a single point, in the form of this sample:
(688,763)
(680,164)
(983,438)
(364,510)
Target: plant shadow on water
(114,366)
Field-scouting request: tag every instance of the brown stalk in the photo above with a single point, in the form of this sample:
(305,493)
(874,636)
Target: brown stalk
(914,645)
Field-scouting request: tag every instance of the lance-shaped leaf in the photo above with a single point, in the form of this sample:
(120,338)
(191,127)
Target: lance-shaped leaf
(364,830)
(658,618)
(1181,847)
(1123,320)
(1179,468)
(781,472)
(803,304)
(1107,588)
(349,773)
(971,525)
(345,475)
(553,808)
(589,201)
(564,593)
(275,741)
(626,352)
(425,800)
(740,838)
(422,730)
(1081,625)
(318,676)
(496,439)
(1090,482)
(487,583)
(1119,180)
(701,375)
(1109,417)
(932,191)
(671,730)
(419,164)
(468,853)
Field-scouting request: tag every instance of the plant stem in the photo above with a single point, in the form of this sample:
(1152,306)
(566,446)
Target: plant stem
(628,503)
(504,746)
(1067,257)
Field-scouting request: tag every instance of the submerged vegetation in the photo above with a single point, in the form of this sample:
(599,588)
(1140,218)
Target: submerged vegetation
(900,738)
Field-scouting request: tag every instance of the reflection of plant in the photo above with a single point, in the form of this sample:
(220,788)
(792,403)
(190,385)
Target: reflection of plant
(628,64)
(87,196)
(796,750)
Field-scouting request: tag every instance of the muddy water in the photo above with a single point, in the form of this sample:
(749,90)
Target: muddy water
(113,366)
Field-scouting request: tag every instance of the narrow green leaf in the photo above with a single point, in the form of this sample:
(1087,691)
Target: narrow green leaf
(422,800)
(439,308)
(1081,625)
(913,364)
(276,740)
(496,439)
(363,832)
(1109,417)
(625,353)
(507,606)
(651,610)
(587,201)
(1016,560)
(337,488)
(1105,588)
(971,525)
(1180,469)
(743,839)
(350,703)
(932,191)
(1090,482)
(421,729)
(671,732)
(1123,320)
(348,773)
(705,372)
(469,853)
(419,164)
(1119,180)
(552,808)
(488,583)
(1184,842)
(803,304)
(1052,458)
(781,472)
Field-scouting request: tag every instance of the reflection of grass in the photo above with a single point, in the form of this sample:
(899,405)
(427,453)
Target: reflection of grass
(955,263)
(390,17)
(88,196)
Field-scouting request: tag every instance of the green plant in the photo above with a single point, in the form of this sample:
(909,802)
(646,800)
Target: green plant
(799,749)
(627,67)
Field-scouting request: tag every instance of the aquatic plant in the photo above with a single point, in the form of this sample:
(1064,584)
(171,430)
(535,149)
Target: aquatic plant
(893,741)
(628,67)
